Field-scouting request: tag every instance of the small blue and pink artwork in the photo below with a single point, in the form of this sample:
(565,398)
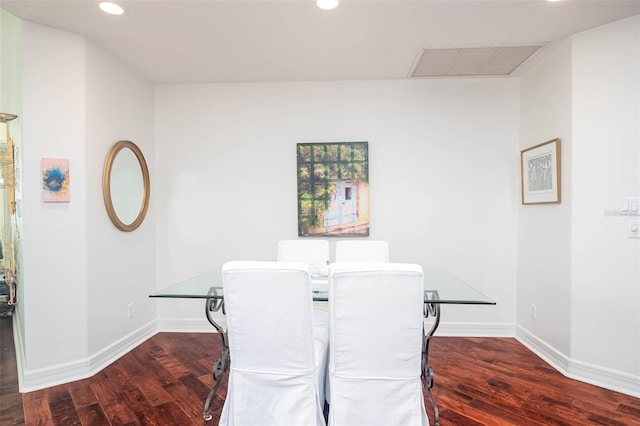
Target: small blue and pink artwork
(55,180)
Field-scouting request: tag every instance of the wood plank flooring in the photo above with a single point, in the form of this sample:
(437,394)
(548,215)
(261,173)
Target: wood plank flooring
(479,381)
(10,399)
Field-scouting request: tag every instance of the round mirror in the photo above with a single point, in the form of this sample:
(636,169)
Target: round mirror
(125,186)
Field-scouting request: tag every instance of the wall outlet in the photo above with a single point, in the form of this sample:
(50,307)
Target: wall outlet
(130,310)
(534,312)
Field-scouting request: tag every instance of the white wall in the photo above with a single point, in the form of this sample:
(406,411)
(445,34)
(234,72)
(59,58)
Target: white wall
(54,236)
(544,231)
(605,263)
(575,261)
(80,272)
(121,265)
(443,176)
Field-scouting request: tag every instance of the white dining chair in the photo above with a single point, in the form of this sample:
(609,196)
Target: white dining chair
(362,251)
(313,252)
(375,356)
(278,357)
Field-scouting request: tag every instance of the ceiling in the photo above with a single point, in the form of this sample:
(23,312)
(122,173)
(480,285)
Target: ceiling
(183,41)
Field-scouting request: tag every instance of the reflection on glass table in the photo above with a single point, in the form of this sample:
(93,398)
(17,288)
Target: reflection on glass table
(440,288)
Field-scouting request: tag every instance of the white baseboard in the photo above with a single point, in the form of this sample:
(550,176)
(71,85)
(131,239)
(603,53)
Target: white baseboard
(471,329)
(188,325)
(467,329)
(76,370)
(578,370)
(112,352)
(549,354)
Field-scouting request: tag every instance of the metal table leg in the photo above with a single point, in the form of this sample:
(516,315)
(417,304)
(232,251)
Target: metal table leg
(221,366)
(430,310)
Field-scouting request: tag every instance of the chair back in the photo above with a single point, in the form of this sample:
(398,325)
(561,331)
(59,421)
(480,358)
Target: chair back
(376,331)
(313,252)
(269,312)
(362,251)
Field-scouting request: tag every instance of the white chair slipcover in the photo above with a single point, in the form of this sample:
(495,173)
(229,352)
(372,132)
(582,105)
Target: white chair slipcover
(362,251)
(375,328)
(313,252)
(316,254)
(278,357)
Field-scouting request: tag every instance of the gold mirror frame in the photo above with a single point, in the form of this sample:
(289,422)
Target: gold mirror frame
(106,186)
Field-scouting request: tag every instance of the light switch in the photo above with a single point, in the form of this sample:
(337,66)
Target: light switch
(624,205)
(629,206)
(634,229)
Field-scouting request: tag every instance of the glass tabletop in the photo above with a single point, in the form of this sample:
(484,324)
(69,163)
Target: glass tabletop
(440,287)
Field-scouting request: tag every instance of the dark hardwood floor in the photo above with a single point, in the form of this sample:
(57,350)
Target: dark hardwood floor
(479,381)
(10,398)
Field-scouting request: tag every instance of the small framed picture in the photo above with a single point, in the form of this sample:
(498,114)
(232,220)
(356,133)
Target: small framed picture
(55,180)
(540,168)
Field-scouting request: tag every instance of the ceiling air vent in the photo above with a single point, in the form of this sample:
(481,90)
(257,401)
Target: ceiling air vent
(472,61)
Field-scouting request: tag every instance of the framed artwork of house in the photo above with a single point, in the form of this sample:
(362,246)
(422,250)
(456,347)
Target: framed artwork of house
(333,189)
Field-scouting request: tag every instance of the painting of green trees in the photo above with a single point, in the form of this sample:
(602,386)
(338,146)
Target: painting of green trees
(333,188)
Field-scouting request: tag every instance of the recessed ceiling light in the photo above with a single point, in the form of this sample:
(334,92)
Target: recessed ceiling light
(327,4)
(111,8)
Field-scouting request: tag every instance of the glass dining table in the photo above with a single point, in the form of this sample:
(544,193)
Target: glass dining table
(440,288)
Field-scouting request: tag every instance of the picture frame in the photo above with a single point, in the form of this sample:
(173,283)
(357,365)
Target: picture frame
(540,173)
(333,189)
(55,180)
